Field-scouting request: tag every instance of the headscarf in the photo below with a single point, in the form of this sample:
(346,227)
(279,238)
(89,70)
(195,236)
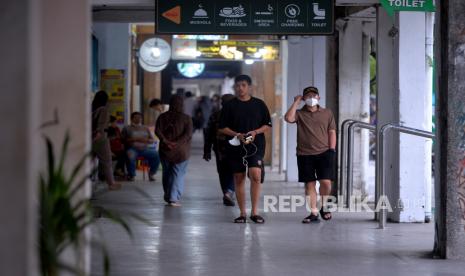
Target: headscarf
(100,99)
(176,104)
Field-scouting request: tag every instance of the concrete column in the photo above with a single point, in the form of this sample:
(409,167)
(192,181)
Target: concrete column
(65,74)
(354,92)
(20,98)
(402,99)
(414,108)
(306,66)
(450,161)
(387,92)
(430,18)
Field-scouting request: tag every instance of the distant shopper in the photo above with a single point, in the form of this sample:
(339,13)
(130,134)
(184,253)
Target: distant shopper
(100,142)
(174,129)
(202,113)
(246,119)
(139,142)
(189,104)
(156,108)
(219,142)
(316,148)
(216,102)
(116,146)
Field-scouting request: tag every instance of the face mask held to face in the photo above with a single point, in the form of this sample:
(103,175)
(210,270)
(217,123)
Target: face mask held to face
(311,102)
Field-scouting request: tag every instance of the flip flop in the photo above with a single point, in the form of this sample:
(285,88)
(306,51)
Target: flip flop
(257,219)
(323,214)
(240,219)
(311,219)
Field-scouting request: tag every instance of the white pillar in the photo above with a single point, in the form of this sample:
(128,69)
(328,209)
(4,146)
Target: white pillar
(354,92)
(306,66)
(402,98)
(414,107)
(366,188)
(429,112)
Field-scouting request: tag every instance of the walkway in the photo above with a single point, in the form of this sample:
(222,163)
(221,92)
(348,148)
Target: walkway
(199,238)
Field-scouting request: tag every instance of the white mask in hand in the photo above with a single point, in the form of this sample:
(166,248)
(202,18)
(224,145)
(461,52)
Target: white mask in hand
(235,141)
(311,102)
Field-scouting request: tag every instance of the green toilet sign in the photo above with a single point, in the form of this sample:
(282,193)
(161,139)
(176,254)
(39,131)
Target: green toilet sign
(408,5)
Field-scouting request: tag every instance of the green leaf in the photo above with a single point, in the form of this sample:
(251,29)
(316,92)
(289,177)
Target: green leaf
(50,158)
(77,169)
(64,152)
(119,220)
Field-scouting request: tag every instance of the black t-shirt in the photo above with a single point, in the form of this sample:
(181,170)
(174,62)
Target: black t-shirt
(244,116)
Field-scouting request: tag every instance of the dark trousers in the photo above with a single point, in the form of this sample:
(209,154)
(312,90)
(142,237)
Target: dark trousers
(225,174)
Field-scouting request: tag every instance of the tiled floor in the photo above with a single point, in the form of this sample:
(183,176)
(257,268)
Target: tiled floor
(199,238)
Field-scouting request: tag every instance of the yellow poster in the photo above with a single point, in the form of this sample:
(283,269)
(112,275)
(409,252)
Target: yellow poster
(114,83)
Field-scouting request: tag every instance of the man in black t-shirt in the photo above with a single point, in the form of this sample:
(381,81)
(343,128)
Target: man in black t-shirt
(242,117)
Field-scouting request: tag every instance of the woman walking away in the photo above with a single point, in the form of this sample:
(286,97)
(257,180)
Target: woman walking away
(174,128)
(100,142)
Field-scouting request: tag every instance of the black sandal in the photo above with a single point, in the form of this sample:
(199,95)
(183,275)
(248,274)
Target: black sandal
(311,219)
(257,219)
(240,219)
(323,214)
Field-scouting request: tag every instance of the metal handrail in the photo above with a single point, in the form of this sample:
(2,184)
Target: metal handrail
(343,160)
(380,179)
(350,155)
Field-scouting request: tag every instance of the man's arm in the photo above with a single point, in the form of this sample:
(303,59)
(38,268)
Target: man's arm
(257,131)
(332,139)
(227,131)
(210,136)
(290,114)
(150,139)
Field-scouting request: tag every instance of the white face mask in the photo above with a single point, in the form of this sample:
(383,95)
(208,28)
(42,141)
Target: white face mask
(311,102)
(235,141)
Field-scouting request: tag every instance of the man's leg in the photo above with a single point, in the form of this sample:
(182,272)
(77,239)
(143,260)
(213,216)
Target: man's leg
(177,187)
(255,188)
(311,195)
(325,191)
(239,181)
(132,156)
(166,180)
(154,160)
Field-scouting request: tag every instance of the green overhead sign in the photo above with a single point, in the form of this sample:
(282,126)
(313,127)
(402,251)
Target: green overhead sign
(312,17)
(408,5)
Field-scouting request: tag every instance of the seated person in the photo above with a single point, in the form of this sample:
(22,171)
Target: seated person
(138,141)
(116,146)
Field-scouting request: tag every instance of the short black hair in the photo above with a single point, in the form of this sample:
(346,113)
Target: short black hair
(245,78)
(310,89)
(112,118)
(133,114)
(188,94)
(154,102)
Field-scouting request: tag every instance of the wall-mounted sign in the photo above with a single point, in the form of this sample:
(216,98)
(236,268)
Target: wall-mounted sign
(313,17)
(114,83)
(202,37)
(408,5)
(225,50)
(190,69)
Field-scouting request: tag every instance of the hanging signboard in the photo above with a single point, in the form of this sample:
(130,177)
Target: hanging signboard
(408,5)
(310,17)
(184,49)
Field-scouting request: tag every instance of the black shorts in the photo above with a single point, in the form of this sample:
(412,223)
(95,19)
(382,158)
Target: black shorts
(238,165)
(316,167)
